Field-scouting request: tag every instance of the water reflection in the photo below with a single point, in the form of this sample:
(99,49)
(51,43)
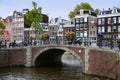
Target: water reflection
(39,74)
(46,73)
(70,59)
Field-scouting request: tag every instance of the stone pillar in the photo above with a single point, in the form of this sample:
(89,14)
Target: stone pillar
(29,57)
(86,61)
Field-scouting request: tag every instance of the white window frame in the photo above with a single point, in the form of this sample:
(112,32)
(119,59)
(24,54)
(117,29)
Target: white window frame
(109,29)
(102,29)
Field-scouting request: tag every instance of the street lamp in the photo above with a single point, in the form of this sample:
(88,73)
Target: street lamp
(112,22)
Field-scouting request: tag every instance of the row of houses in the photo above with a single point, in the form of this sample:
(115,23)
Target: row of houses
(87,26)
(17,30)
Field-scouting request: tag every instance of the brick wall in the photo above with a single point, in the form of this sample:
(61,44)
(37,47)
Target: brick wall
(4,58)
(103,63)
(12,57)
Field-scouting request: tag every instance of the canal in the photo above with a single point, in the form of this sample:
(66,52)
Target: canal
(45,73)
(70,70)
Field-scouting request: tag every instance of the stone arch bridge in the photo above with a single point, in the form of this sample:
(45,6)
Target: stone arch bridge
(94,61)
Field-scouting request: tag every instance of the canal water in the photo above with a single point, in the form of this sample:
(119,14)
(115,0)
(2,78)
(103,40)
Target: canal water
(72,71)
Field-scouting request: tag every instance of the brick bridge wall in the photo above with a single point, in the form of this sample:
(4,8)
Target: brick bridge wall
(12,57)
(100,61)
(36,50)
(103,63)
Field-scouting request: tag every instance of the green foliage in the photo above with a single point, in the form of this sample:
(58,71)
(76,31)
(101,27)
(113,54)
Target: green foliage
(34,4)
(45,36)
(70,35)
(71,14)
(97,11)
(117,59)
(83,5)
(117,53)
(38,28)
(34,17)
(2,27)
(86,6)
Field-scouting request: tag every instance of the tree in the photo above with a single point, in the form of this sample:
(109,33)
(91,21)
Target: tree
(71,15)
(2,27)
(70,36)
(97,11)
(83,5)
(45,36)
(33,18)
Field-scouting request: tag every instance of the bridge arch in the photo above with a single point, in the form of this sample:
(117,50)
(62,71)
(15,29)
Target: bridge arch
(53,55)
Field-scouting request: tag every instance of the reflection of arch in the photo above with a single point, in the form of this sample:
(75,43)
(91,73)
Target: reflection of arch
(95,79)
(58,48)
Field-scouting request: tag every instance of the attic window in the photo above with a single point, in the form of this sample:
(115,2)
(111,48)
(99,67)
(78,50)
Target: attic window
(114,11)
(92,27)
(15,15)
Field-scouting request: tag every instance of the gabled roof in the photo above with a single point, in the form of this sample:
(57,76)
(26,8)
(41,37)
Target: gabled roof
(18,13)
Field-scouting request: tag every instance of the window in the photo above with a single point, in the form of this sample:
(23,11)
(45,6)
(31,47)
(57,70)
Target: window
(109,29)
(85,19)
(92,27)
(99,29)
(85,26)
(77,20)
(81,26)
(90,32)
(93,32)
(114,28)
(103,29)
(53,28)
(118,19)
(81,19)
(77,26)
(119,28)
(109,20)
(77,34)
(81,34)
(102,21)
(99,21)
(85,33)
(22,19)
(114,20)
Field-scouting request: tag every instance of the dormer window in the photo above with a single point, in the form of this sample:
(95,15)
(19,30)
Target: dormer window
(114,11)
(15,15)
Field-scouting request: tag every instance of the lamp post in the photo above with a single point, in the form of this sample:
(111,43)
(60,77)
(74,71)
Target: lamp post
(112,22)
(111,46)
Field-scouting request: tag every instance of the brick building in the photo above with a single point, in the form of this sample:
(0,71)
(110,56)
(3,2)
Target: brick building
(109,25)
(85,28)
(8,32)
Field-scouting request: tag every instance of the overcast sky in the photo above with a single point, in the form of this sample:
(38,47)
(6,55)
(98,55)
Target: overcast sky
(54,8)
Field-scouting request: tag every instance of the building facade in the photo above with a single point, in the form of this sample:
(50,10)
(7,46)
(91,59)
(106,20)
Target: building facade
(109,25)
(85,28)
(18,27)
(67,28)
(56,30)
(8,33)
(53,32)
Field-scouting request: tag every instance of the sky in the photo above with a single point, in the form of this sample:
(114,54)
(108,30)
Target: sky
(53,8)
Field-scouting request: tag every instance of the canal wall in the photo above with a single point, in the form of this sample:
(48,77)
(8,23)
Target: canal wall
(103,62)
(12,57)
